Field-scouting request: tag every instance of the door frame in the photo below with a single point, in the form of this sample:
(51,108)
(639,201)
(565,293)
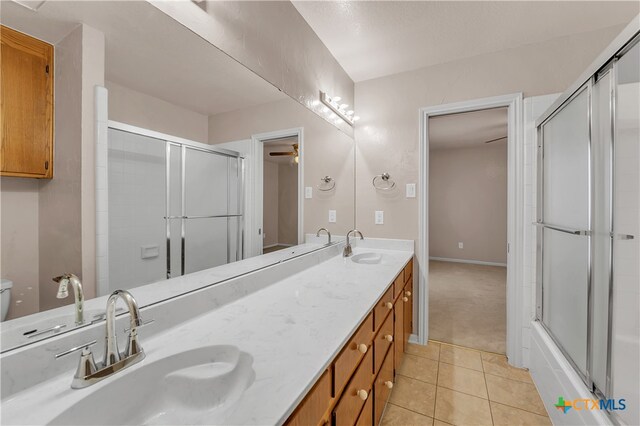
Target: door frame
(257,141)
(515,215)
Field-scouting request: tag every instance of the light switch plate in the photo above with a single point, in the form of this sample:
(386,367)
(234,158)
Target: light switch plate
(332,216)
(308,192)
(460,245)
(379,216)
(411,190)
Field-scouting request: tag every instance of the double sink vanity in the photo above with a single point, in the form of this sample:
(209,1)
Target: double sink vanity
(314,339)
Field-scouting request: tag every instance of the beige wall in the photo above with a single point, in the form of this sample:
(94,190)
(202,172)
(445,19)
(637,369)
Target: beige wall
(326,151)
(387,135)
(271,204)
(468,203)
(274,41)
(19,243)
(60,206)
(287,204)
(141,110)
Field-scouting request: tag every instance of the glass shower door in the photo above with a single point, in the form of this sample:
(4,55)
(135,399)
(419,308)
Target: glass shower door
(564,221)
(206,208)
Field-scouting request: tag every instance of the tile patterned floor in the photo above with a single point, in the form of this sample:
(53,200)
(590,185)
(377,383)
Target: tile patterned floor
(441,384)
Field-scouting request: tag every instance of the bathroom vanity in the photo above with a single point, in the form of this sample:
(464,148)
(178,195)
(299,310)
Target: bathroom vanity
(315,339)
(356,386)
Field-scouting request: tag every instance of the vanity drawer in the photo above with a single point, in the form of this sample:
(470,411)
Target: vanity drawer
(408,271)
(398,285)
(366,416)
(358,346)
(382,387)
(355,394)
(314,406)
(383,307)
(382,341)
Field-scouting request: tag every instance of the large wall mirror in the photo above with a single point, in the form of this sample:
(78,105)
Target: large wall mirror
(171,160)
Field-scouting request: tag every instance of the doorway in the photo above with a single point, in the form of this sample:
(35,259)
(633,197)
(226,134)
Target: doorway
(468,228)
(515,211)
(281,157)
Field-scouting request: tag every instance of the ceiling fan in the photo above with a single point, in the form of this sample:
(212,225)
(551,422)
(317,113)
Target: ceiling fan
(496,140)
(293,153)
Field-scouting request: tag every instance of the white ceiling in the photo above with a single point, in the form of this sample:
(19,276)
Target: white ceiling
(468,129)
(151,53)
(371,39)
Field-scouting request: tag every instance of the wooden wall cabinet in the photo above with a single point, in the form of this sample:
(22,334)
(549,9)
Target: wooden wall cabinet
(363,372)
(26,104)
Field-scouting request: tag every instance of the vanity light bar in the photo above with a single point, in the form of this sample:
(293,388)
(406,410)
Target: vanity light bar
(339,109)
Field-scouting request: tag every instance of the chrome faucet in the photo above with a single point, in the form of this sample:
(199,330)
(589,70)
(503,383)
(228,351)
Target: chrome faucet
(111,353)
(347,248)
(90,372)
(63,291)
(325,230)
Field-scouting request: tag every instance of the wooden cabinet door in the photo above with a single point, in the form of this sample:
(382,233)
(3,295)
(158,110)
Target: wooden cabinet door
(407,297)
(26,146)
(398,333)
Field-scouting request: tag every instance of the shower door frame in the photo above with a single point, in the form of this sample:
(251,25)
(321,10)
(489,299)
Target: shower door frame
(605,63)
(184,144)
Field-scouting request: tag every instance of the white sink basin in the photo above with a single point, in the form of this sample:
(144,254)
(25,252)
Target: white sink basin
(367,258)
(186,388)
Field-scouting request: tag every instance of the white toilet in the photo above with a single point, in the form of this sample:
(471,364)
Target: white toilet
(5,295)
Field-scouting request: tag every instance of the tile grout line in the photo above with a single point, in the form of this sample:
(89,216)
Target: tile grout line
(486,385)
(408,409)
(435,396)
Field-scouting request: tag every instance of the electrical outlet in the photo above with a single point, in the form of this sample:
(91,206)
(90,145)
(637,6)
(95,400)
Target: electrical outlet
(460,245)
(332,216)
(308,192)
(379,216)
(411,190)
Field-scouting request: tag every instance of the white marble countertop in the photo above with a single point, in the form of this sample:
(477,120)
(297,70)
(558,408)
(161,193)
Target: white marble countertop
(292,329)
(11,332)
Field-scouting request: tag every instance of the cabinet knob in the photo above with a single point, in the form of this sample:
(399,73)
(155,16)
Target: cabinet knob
(362,348)
(405,299)
(389,305)
(388,338)
(363,394)
(407,293)
(388,384)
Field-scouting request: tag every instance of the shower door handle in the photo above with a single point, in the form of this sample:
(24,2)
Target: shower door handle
(573,231)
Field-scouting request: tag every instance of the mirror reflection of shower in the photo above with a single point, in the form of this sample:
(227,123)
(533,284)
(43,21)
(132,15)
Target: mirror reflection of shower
(174,207)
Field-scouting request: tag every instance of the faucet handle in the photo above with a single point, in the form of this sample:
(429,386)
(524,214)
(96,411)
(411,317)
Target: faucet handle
(141,324)
(77,348)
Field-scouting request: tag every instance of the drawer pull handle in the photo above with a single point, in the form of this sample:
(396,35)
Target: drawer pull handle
(388,384)
(405,299)
(362,348)
(389,305)
(363,394)
(388,338)
(407,293)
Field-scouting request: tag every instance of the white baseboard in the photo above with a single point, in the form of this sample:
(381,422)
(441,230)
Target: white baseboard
(475,262)
(554,377)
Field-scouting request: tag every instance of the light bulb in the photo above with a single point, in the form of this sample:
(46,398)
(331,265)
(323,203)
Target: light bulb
(296,159)
(336,99)
(325,109)
(356,118)
(344,106)
(350,112)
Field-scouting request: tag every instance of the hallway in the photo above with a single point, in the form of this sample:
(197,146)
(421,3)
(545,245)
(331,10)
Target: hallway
(467,305)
